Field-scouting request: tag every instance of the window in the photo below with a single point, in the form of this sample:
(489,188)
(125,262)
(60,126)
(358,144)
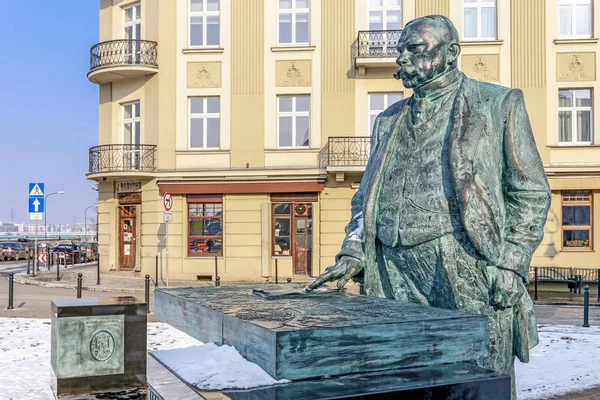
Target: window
(479,19)
(293,114)
(282,229)
(132,26)
(292,223)
(574,19)
(385,15)
(133,22)
(131,135)
(205,231)
(293,21)
(378,102)
(204,23)
(577,220)
(575,116)
(205,123)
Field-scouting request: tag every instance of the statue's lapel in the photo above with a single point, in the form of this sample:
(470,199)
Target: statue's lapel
(469,132)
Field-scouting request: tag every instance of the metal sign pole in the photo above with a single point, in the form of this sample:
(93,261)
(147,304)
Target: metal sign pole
(35,260)
(167,250)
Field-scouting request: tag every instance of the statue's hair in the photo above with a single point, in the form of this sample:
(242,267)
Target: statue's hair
(451,34)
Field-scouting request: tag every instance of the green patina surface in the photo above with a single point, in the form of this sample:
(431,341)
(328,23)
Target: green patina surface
(306,336)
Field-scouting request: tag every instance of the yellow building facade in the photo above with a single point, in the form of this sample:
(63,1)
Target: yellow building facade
(255,116)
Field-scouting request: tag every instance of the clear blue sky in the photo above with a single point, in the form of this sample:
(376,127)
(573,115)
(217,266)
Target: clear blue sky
(48,108)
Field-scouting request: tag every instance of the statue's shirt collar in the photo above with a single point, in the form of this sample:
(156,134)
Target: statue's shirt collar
(439,86)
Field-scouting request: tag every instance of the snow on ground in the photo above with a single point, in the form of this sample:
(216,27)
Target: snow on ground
(25,355)
(564,361)
(210,367)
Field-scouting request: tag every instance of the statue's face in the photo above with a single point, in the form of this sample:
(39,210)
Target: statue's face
(423,53)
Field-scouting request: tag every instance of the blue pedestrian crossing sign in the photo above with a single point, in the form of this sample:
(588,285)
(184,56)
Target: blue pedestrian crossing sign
(36,189)
(36,197)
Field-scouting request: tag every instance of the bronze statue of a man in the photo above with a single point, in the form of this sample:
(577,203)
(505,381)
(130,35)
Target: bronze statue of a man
(454,198)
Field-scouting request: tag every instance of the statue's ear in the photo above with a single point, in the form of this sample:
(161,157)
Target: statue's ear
(453,53)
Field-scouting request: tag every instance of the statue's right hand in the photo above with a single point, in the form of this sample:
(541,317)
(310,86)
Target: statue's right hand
(344,270)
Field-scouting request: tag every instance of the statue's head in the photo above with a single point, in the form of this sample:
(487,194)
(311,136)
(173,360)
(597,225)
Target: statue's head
(427,48)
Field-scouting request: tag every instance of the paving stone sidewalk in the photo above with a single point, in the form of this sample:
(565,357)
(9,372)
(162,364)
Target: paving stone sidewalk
(114,281)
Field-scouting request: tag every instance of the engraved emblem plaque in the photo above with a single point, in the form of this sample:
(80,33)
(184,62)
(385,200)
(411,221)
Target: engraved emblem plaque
(90,346)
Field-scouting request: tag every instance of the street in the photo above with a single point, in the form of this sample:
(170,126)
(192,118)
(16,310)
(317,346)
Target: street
(13,266)
(34,301)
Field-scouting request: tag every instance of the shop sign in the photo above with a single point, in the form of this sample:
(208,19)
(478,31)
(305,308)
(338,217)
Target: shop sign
(128,187)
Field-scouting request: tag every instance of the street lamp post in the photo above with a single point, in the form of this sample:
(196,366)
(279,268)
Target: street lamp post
(85,220)
(45,225)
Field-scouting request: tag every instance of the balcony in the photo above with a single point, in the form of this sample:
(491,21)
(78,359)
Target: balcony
(120,59)
(376,49)
(345,154)
(132,159)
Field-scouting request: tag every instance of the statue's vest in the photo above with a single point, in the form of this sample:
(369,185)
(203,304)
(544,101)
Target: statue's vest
(416,190)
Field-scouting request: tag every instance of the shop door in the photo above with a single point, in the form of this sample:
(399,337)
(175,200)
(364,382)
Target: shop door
(127,237)
(303,240)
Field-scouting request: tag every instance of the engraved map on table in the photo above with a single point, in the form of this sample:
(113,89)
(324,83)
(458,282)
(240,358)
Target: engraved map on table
(331,309)
(90,346)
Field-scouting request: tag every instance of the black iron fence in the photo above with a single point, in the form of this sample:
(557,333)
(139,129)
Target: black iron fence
(377,43)
(122,157)
(123,52)
(350,151)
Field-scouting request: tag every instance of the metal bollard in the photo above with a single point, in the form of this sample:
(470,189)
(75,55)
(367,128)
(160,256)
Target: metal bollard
(11,284)
(98,269)
(79,282)
(598,283)
(156,275)
(586,307)
(28,264)
(535,296)
(57,268)
(218,281)
(276,272)
(289,280)
(361,288)
(216,268)
(148,292)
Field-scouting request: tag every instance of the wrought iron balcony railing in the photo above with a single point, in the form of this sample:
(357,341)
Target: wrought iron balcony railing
(124,52)
(345,151)
(122,157)
(377,43)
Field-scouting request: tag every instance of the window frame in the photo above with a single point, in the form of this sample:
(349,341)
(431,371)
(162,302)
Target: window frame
(205,116)
(572,4)
(386,104)
(212,200)
(133,121)
(294,114)
(573,203)
(133,22)
(204,15)
(478,6)
(384,9)
(293,11)
(574,109)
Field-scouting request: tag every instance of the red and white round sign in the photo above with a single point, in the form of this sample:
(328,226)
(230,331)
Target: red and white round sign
(168,201)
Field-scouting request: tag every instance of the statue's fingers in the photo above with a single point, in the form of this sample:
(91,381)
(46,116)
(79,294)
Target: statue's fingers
(330,274)
(344,280)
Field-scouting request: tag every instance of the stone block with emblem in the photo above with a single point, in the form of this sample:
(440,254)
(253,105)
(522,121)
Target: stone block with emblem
(98,344)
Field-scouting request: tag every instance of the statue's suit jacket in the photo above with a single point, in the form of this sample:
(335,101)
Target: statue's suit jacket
(499,182)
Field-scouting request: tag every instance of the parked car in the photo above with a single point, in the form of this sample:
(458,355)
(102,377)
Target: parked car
(14,251)
(70,252)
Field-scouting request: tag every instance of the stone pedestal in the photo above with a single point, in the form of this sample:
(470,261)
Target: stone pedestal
(457,381)
(98,344)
